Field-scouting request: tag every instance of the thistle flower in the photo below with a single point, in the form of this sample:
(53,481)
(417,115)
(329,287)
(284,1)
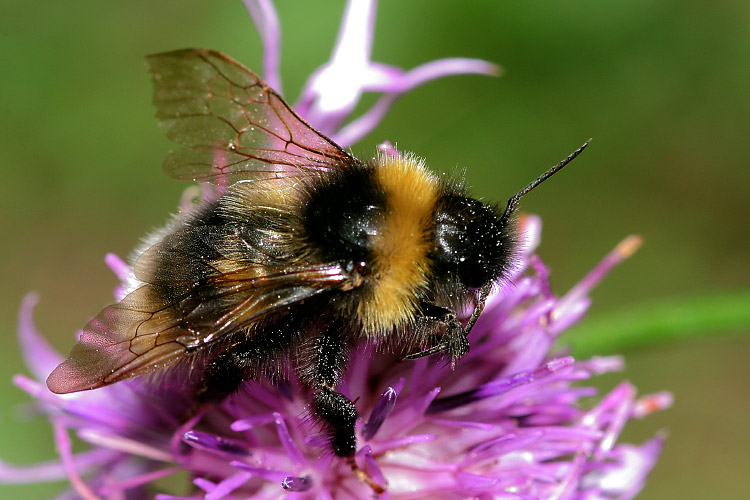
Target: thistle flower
(506,423)
(333,90)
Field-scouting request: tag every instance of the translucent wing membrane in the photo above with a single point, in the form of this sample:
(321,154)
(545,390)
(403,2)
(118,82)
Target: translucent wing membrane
(232,124)
(203,282)
(157,324)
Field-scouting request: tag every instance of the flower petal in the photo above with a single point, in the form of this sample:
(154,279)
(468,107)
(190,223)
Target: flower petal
(267,23)
(38,354)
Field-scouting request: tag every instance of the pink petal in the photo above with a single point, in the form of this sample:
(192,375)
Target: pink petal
(38,354)
(267,23)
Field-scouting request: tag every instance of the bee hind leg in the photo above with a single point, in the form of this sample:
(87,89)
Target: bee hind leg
(224,376)
(241,359)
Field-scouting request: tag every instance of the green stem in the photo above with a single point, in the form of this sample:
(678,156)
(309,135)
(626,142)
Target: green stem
(658,323)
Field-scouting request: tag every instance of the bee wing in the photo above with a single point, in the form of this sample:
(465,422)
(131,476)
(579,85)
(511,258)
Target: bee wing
(157,325)
(232,124)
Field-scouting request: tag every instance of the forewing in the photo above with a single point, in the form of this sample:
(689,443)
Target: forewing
(232,124)
(157,325)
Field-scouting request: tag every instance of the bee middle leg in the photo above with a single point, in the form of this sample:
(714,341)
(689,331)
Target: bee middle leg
(322,371)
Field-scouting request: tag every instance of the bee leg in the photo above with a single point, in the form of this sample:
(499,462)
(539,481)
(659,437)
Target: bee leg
(451,337)
(339,415)
(224,376)
(241,359)
(331,408)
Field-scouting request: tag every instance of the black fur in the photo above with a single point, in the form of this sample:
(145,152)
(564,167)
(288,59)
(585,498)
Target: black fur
(341,212)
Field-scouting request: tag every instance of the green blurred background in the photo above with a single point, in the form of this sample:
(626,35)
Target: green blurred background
(662,87)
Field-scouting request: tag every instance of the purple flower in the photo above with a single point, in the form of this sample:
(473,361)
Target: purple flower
(334,89)
(506,423)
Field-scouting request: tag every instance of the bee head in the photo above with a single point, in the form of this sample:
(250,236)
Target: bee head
(475,241)
(472,241)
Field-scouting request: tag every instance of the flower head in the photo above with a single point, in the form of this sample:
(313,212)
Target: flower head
(506,423)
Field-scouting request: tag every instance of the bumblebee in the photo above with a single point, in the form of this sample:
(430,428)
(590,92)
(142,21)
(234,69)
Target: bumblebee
(305,252)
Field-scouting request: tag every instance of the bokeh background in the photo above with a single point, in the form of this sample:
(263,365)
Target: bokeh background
(662,87)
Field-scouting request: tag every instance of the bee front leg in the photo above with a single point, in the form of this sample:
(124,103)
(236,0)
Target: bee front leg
(322,371)
(450,336)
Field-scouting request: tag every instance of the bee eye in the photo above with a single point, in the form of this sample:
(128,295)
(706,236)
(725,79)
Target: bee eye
(458,251)
(472,273)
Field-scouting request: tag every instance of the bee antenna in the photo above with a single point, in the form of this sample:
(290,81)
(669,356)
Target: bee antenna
(513,202)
